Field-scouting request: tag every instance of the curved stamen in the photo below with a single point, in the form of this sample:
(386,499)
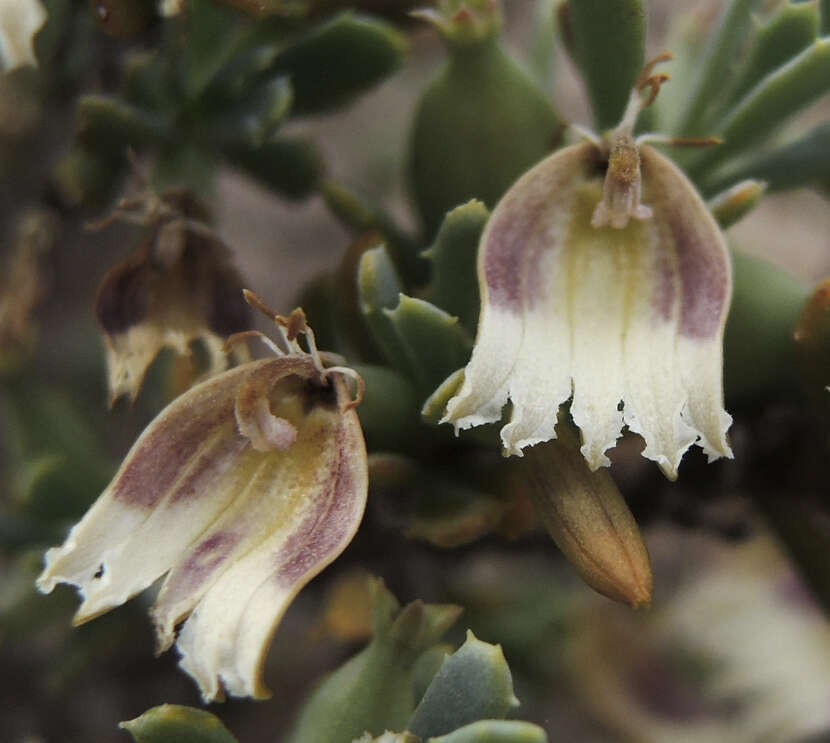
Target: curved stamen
(360,384)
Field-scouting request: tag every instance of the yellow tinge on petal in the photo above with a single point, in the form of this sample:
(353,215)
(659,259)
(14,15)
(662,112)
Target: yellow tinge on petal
(624,316)
(240,491)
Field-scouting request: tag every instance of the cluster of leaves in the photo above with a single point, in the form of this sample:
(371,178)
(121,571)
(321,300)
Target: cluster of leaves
(221,86)
(405,680)
(217,87)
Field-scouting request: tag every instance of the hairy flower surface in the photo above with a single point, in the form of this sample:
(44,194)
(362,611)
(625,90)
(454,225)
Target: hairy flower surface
(240,491)
(603,279)
(20,20)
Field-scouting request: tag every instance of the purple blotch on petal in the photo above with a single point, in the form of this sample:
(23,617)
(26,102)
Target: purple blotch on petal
(210,466)
(703,263)
(160,457)
(664,293)
(207,556)
(517,232)
(324,530)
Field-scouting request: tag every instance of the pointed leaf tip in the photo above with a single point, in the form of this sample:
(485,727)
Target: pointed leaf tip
(173,723)
(472,683)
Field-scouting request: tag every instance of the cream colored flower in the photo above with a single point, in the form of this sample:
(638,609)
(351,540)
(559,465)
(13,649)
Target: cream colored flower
(240,491)
(20,20)
(604,279)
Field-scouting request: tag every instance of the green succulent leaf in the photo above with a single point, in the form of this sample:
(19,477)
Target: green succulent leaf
(774,100)
(495,731)
(110,125)
(480,124)
(432,340)
(84,177)
(379,288)
(436,404)
(185,165)
(758,348)
(150,84)
(723,48)
(785,35)
(543,48)
(428,665)
(454,283)
(247,69)
(825,17)
(172,723)
(250,121)
(60,460)
(362,214)
(609,43)
(472,684)
(732,205)
(419,339)
(452,514)
(292,166)
(389,412)
(215,34)
(340,59)
(801,162)
(374,690)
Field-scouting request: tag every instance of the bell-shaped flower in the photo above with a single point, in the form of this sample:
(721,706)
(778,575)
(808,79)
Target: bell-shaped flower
(240,491)
(179,286)
(20,20)
(604,280)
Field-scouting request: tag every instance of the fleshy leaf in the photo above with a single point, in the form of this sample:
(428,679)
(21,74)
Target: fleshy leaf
(373,691)
(379,288)
(362,214)
(609,41)
(495,731)
(774,100)
(479,124)
(173,723)
(735,203)
(435,405)
(602,314)
(110,125)
(801,162)
(338,60)
(759,353)
(389,412)
(433,341)
(451,513)
(43,423)
(251,120)
(20,20)
(238,531)
(290,166)
(791,29)
(589,520)
(454,284)
(214,35)
(721,50)
(473,683)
